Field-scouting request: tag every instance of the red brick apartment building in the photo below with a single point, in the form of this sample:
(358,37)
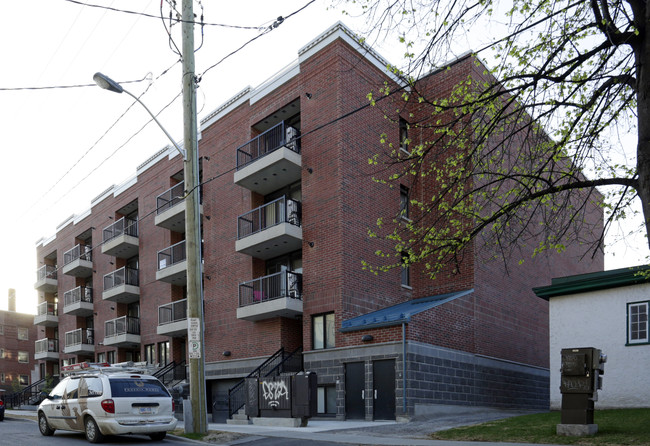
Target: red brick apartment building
(285,226)
(17,335)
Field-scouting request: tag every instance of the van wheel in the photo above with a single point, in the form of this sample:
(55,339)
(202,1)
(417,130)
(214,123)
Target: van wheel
(44,426)
(93,434)
(157,436)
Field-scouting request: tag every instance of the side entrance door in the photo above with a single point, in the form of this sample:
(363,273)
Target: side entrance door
(355,391)
(383,373)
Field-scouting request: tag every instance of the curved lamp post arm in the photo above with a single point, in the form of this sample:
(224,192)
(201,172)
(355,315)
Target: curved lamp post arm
(109,84)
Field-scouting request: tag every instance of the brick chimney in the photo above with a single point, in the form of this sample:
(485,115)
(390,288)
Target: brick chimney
(11,303)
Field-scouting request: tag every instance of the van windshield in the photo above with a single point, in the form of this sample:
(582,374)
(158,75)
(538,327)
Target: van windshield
(137,388)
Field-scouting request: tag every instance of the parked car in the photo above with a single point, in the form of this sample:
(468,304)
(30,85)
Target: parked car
(2,405)
(100,400)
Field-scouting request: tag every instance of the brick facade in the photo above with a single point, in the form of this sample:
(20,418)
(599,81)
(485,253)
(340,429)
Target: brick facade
(462,352)
(15,349)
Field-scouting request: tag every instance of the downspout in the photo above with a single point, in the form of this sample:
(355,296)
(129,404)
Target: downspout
(404,366)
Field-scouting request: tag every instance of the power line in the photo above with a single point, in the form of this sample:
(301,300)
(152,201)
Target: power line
(55,87)
(222,25)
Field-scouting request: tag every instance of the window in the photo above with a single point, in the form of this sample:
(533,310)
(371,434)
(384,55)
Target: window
(149,353)
(323,331)
(2,377)
(24,380)
(404,210)
(406,270)
(637,323)
(23,357)
(404,136)
(110,357)
(2,329)
(163,353)
(101,357)
(2,353)
(326,400)
(23,334)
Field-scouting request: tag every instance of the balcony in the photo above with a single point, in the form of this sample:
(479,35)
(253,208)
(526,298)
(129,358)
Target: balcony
(278,294)
(80,341)
(172,319)
(78,261)
(46,279)
(78,301)
(46,350)
(270,230)
(170,209)
(46,315)
(121,238)
(122,286)
(270,161)
(172,264)
(122,332)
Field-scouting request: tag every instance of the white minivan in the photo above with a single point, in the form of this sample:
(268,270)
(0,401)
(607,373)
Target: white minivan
(101,400)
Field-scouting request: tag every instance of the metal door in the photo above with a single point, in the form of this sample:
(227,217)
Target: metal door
(355,391)
(383,373)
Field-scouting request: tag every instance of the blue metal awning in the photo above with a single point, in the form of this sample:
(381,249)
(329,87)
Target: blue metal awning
(400,313)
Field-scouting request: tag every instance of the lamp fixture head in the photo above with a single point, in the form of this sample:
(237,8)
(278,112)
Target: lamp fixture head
(107,83)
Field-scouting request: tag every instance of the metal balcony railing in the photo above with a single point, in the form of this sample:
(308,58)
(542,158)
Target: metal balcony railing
(121,326)
(80,336)
(170,197)
(281,210)
(47,309)
(46,271)
(172,312)
(76,295)
(122,276)
(46,345)
(277,136)
(274,286)
(171,255)
(124,225)
(83,252)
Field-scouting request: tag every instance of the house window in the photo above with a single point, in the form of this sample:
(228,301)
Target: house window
(110,357)
(150,353)
(2,377)
(404,136)
(2,353)
(163,353)
(101,357)
(2,329)
(404,210)
(406,270)
(23,357)
(637,323)
(23,334)
(24,380)
(326,400)
(323,331)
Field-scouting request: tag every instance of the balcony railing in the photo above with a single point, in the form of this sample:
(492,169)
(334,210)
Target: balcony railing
(80,336)
(83,252)
(172,312)
(47,309)
(124,225)
(76,295)
(171,255)
(274,286)
(46,346)
(170,197)
(46,272)
(277,136)
(122,326)
(282,210)
(122,276)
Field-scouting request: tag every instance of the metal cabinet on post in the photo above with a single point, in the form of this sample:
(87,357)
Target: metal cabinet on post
(581,378)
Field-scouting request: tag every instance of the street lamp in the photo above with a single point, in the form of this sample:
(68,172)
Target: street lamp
(109,84)
(196,325)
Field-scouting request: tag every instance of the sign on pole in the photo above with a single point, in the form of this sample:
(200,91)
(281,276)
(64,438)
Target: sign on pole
(195,350)
(193,329)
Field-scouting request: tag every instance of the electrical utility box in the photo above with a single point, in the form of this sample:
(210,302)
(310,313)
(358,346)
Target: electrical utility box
(581,378)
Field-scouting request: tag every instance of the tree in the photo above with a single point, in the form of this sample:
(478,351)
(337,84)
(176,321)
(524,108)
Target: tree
(517,149)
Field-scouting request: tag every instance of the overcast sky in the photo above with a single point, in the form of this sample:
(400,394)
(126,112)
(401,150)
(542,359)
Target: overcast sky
(64,146)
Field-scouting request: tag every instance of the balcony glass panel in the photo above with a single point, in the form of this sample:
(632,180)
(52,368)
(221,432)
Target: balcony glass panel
(122,276)
(124,225)
(46,345)
(282,210)
(47,309)
(277,136)
(83,252)
(76,295)
(172,255)
(80,336)
(172,312)
(170,197)
(121,326)
(46,272)
(274,286)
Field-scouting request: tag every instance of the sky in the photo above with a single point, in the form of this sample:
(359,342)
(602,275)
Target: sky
(64,145)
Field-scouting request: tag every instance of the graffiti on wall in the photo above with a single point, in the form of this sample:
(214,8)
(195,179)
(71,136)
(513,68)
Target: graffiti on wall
(274,391)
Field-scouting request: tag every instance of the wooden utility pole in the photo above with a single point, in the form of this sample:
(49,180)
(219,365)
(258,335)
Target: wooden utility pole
(196,350)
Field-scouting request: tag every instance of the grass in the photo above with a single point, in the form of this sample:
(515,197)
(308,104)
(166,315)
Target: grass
(615,427)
